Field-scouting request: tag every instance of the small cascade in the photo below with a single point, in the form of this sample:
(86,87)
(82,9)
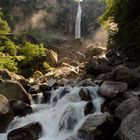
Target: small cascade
(62,119)
(78,22)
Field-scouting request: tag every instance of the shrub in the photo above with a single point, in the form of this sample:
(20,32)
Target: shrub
(8,63)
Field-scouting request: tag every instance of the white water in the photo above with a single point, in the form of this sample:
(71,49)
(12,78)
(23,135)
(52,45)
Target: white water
(62,118)
(78,22)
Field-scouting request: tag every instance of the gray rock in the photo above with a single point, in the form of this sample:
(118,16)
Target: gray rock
(110,89)
(14,90)
(6,114)
(20,108)
(32,131)
(122,74)
(98,127)
(125,108)
(130,127)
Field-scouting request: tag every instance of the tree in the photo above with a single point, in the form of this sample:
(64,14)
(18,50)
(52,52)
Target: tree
(125,13)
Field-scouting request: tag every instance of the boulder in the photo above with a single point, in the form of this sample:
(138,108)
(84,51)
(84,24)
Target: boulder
(126,75)
(32,131)
(89,108)
(14,90)
(44,87)
(97,69)
(6,114)
(97,127)
(85,95)
(122,74)
(53,58)
(110,89)
(115,103)
(5,74)
(20,108)
(125,108)
(130,127)
(86,82)
(34,89)
(37,75)
(73,138)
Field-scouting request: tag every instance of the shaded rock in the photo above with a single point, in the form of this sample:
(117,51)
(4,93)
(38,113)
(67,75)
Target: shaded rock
(73,138)
(84,94)
(6,114)
(5,74)
(32,131)
(97,127)
(14,90)
(38,98)
(126,75)
(44,87)
(110,89)
(34,89)
(115,103)
(86,82)
(89,108)
(20,108)
(97,69)
(131,94)
(130,127)
(122,74)
(125,108)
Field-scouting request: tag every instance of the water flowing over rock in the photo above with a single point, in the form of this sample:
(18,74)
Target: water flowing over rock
(60,120)
(78,22)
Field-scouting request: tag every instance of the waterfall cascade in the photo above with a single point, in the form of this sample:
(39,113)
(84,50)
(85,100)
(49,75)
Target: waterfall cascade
(62,116)
(78,22)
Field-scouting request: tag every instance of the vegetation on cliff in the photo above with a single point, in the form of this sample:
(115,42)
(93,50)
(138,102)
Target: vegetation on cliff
(17,53)
(125,14)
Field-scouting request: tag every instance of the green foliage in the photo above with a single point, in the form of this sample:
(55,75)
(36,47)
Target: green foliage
(125,13)
(4,28)
(8,63)
(47,66)
(8,46)
(31,51)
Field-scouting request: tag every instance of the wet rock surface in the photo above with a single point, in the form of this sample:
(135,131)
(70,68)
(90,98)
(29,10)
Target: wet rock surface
(84,94)
(32,131)
(20,108)
(98,127)
(6,114)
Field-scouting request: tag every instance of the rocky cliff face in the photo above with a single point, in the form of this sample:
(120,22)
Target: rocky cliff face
(41,16)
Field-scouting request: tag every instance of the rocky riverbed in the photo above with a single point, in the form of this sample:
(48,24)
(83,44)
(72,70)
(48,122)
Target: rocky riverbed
(104,107)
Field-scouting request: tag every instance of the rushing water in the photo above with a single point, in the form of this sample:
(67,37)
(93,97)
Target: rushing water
(62,117)
(78,22)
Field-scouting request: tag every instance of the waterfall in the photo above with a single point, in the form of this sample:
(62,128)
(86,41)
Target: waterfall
(62,119)
(78,22)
